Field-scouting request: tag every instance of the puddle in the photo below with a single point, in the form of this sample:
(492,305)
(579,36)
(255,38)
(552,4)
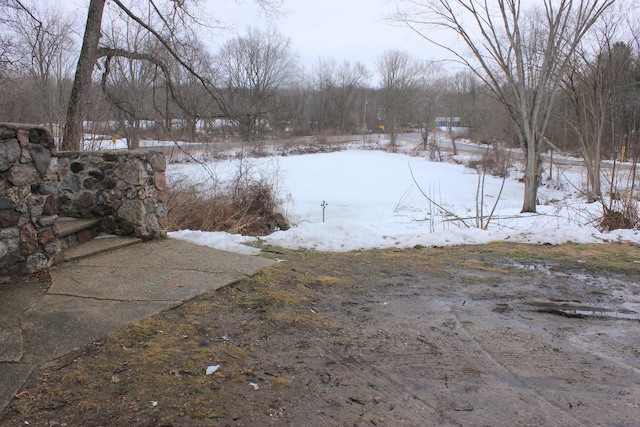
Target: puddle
(585,311)
(598,313)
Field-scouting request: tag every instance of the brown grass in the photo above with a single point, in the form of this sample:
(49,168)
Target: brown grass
(246,207)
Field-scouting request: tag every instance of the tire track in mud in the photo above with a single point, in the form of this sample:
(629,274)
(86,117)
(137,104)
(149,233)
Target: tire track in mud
(505,375)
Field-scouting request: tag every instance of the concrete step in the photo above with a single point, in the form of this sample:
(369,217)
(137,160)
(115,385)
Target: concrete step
(99,245)
(68,226)
(75,231)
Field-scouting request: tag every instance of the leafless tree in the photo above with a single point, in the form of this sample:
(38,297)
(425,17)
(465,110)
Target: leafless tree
(590,84)
(250,71)
(399,75)
(42,44)
(178,22)
(520,56)
(336,87)
(430,87)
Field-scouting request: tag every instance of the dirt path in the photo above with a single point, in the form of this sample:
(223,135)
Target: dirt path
(480,335)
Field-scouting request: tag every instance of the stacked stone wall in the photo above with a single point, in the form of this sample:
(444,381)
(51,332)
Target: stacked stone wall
(127,189)
(28,187)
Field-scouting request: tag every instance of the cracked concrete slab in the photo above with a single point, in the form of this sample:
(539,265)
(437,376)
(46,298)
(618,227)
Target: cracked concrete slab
(93,296)
(60,324)
(112,283)
(12,377)
(177,255)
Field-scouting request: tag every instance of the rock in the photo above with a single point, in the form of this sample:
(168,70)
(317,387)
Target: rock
(41,158)
(163,196)
(9,218)
(90,183)
(3,249)
(40,136)
(161,210)
(20,175)
(9,154)
(25,157)
(132,172)
(23,137)
(7,132)
(10,260)
(46,237)
(28,240)
(49,187)
(160,181)
(158,161)
(6,203)
(130,193)
(85,200)
(133,212)
(70,183)
(97,174)
(37,262)
(47,220)
(52,248)
(50,206)
(77,167)
(152,224)
(9,233)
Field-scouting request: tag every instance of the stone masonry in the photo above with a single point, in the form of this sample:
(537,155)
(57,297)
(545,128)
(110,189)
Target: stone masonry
(125,189)
(28,232)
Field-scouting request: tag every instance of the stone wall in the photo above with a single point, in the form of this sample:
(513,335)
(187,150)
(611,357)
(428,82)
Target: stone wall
(127,189)
(28,184)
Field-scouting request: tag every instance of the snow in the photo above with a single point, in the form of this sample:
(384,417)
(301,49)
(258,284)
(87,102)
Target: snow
(372,201)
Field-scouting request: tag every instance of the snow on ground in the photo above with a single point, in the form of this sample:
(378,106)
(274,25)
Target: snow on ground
(372,201)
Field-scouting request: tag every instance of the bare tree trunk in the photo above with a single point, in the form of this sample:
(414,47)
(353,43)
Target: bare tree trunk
(72,135)
(531,180)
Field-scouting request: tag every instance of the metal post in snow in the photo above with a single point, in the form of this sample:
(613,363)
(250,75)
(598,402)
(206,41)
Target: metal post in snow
(324,205)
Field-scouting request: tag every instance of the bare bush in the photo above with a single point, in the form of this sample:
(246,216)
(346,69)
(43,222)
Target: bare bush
(493,161)
(245,206)
(623,216)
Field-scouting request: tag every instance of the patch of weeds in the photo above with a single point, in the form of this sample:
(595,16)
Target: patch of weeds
(140,331)
(282,382)
(235,352)
(79,376)
(481,265)
(292,317)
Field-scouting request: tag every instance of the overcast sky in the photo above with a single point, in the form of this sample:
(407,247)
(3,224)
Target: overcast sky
(353,30)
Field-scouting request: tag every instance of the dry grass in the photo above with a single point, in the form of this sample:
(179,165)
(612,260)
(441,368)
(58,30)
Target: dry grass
(624,217)
(246,207)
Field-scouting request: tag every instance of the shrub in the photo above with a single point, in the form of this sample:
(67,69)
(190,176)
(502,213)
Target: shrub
(623,216)
(245,206)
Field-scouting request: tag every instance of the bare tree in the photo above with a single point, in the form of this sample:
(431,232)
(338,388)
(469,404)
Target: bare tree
(399,74)
(521,57)
(177,23)
(250,70)
(40,51)
(430,87)
(590,85)
(336,87)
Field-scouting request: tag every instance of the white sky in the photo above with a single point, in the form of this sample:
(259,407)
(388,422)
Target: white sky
(352,30)
(345,30)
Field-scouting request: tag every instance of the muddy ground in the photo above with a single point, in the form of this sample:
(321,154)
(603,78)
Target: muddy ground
(466,336)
